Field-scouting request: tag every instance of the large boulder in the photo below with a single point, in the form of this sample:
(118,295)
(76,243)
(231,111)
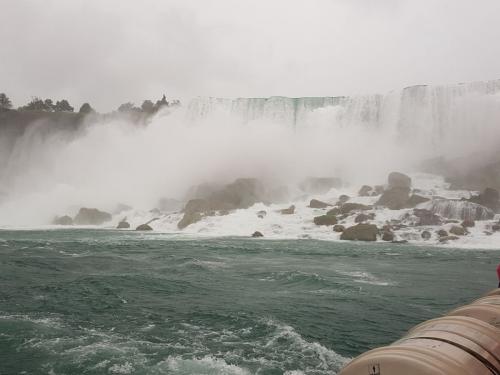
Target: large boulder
(144,227)
(398,180)
(318,204)
(342,199)
(338,228)
(63,220)
(388,236)
(242,193)
(325,220)
(395,198)
(257,234)
(363,217)
(189,218)
(288,211)
(426,235)
(123,225)
(334,211)
(346,208)
(360,232)
(457,230)
(320,185)
(91,216)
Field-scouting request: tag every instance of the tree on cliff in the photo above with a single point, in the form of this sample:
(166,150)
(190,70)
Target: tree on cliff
(38,104)
(148,106)
(126,107)
(5,102)
(63,106)
(86,109)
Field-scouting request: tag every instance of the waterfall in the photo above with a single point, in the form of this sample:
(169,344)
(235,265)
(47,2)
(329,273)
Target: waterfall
(459,210)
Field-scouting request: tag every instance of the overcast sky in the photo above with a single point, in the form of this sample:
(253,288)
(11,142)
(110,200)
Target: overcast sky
(111,51)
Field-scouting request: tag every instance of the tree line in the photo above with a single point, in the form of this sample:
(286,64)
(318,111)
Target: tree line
(48,105)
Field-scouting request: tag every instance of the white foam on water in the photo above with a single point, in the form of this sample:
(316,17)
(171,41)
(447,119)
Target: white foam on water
(207,365)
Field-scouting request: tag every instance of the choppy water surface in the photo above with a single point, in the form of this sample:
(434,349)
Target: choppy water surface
(109,302)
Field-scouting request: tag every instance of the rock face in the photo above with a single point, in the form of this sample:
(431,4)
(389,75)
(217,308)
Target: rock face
(143,227)
(459,209)
(318,204)
(325,220)
(320,185)
(457,230)
(63,220)
(489,198)
(338,228)
(257,234)
(189,218)
(288,211)
(398,180)
(426,217)
(91,216)
(360,232)
(348,207)
(123,225)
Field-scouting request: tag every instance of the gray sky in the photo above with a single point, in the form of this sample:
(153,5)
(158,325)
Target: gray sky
(111,51)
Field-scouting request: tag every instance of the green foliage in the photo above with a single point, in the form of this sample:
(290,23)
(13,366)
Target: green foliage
(86,109)
(5,102)
(63,106)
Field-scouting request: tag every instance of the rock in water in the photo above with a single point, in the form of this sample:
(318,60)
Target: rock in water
(398,180)
(288,211)
(261,214)
(395,198)
(62,220)
(188,219)
(91,216)
(388,236)
(360,232)
(318,204)
(363,217)
(143,227)
(365,191)
(342,199)
(447,238)
(468,223)
(426,235)
(457,230)
(123,225)
(442,233)
(338,228)
(489,198)
(325,220)
(320,185)
(346,208)
(334,211)
(257,234)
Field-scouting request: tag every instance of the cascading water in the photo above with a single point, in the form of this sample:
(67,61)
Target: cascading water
(459,210)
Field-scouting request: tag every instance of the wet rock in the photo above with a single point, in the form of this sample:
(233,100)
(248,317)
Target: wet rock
(257,234)
(365,191)
(318,204)
(338,228)
(242,193)
(468,223)
(447,238)
(261,214)
(62,220)
(442,233)
(342,199)
(495,227)
(457,230)
(362,217)
(144,227)
(487,232)
(188,219)
(320,185)
(395,198)
(123,225)
(360,232)
(288,211)
(426,217)
(91,216)
(379,189)
(388,236)
(334,211)
(325,220)
(346,208)
(398,180)
(400,241)
(426,235)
